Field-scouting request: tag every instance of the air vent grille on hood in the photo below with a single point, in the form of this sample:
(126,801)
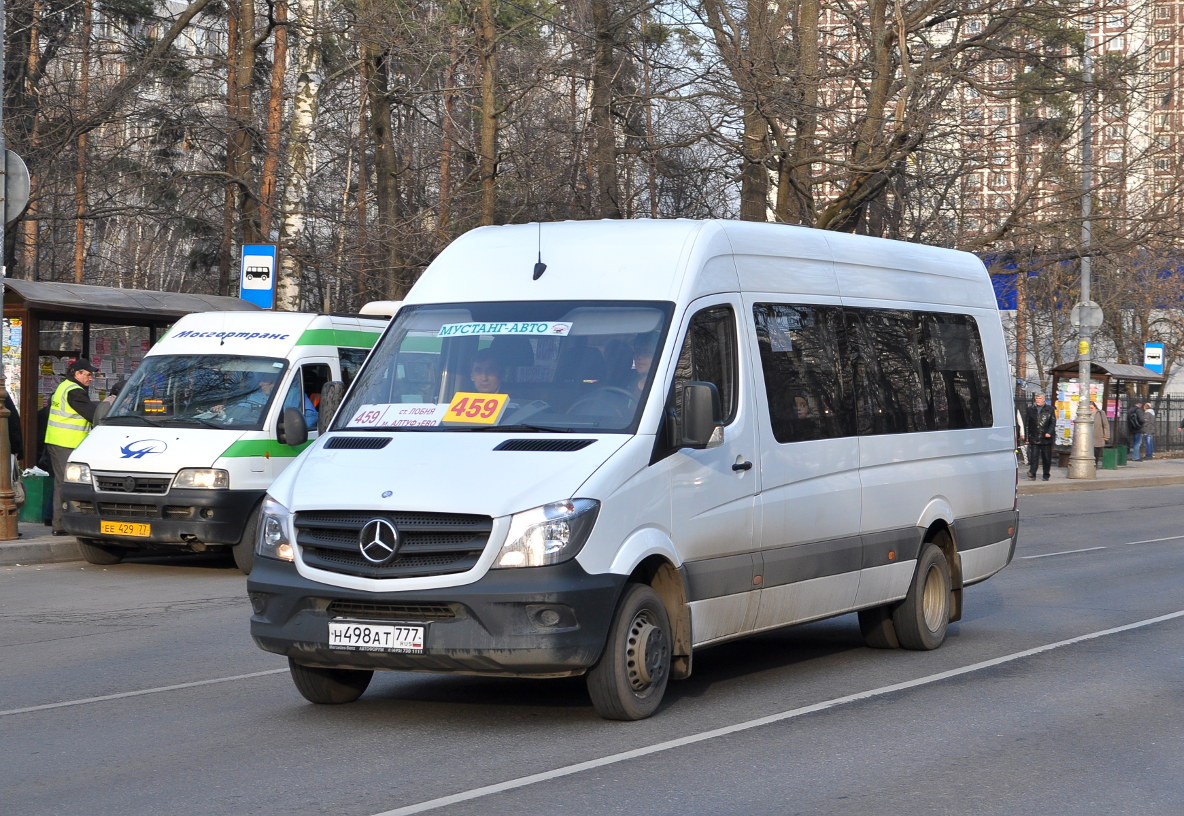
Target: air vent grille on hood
(551,445)
(358,442)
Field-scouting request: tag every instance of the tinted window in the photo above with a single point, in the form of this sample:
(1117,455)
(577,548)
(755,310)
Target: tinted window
(802,352)
(835,371)
(709,355)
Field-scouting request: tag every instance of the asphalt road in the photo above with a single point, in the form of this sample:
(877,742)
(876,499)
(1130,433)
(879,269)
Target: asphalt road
(136,689)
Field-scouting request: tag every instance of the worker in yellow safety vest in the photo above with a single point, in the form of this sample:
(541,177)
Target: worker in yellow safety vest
(71,413)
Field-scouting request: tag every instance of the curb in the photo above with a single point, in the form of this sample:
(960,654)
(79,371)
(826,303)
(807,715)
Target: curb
(43,550)
(1028,488)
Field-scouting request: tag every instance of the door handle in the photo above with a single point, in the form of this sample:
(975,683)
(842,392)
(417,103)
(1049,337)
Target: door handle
(739,466)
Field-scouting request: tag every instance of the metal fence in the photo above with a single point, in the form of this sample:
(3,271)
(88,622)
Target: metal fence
(1169,417)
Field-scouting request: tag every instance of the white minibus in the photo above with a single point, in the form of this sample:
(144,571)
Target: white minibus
(593,448)
(182,459)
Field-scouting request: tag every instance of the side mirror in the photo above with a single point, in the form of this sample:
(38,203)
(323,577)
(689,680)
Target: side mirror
(101,411)
(291,429)
(701,424)
(332,393)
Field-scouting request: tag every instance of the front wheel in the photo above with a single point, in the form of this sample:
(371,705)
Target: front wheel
(244,550)
(629,681)
(329,686)
(95,553)
(923,616)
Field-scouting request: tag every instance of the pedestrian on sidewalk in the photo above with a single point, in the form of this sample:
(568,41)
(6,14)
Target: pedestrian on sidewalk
(1148,431)
(1134,424)
(1101,430)
(1039,424)
(71,413)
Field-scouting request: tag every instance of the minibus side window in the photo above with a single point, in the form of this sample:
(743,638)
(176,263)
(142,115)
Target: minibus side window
(955,373)
(889,395)
(802,349)
(709,355)
(351,361)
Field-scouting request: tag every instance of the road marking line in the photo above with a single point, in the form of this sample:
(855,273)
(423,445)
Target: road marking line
(521,782)
(139,693)
(1157,540)
(1062,552)
(1091,549)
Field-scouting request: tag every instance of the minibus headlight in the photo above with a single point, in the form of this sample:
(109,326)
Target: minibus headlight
(205,478)
(273,539)
(77,472)
(548,534)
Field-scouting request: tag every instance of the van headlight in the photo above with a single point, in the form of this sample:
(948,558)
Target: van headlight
(203,478)
(273,540)
(548,534)
(77,472)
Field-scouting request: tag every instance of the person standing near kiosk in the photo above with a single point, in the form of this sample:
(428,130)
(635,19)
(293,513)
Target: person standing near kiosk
(1040,422)
(71,413)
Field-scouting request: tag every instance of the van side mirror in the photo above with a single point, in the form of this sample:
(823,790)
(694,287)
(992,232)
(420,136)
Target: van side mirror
(331,394)
(291,429)
(101,411)
(700,418)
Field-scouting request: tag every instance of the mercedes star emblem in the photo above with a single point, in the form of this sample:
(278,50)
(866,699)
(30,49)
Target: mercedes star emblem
(378,541)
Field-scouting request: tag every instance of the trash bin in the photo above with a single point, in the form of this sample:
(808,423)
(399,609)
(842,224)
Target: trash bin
(1121,450)
(1109,458)
(35,487)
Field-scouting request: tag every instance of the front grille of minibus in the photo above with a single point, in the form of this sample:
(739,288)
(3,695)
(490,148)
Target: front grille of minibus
(429,543)
(122,483)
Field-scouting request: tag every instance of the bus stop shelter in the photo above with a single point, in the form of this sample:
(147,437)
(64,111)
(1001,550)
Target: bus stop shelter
(47,325)
(1112,385)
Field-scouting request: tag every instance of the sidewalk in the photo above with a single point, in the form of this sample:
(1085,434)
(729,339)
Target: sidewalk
(1162,470)
(38,546)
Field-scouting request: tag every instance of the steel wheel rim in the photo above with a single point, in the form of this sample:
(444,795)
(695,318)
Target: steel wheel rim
(645,652)
(933,604)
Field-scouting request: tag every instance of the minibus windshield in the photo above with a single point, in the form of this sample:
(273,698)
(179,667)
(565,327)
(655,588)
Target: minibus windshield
(198,390)
(548,366)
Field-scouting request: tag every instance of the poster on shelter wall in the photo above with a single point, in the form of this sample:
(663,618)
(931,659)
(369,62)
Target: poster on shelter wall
(13,337)
(1068,397)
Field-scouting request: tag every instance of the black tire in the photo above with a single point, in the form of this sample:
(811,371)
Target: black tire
(875,625)
(630,680)
(923,616)
(329,686)
(244,550)
(102,555)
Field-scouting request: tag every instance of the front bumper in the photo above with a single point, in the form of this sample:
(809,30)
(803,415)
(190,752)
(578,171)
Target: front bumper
(529,622)
(179,518)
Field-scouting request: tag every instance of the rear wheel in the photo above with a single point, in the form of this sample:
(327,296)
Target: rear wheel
(329,686)
(100,554)
(630,680)
(923,616)
(875,625)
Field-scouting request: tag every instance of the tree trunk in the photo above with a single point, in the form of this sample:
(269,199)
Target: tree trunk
(81,147)
(376,72)
(604,137)
(300,155)
(275,114)
(487,171)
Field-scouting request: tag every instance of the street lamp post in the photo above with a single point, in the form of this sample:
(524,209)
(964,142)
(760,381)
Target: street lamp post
(8,508)
(1081,457)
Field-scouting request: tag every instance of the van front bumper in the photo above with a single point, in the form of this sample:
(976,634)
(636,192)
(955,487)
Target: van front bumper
(527,622)
(179,518)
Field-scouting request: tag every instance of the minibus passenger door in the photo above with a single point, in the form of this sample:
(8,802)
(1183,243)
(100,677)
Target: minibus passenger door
(713,488)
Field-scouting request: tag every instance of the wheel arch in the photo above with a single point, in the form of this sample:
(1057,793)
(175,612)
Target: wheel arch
(940,533)
(669,582)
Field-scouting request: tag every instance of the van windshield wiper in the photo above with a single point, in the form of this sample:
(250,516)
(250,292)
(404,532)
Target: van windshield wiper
(516,428)
(132,419)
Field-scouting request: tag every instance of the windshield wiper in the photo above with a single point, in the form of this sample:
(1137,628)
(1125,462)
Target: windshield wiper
(516,428)
(156,423)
